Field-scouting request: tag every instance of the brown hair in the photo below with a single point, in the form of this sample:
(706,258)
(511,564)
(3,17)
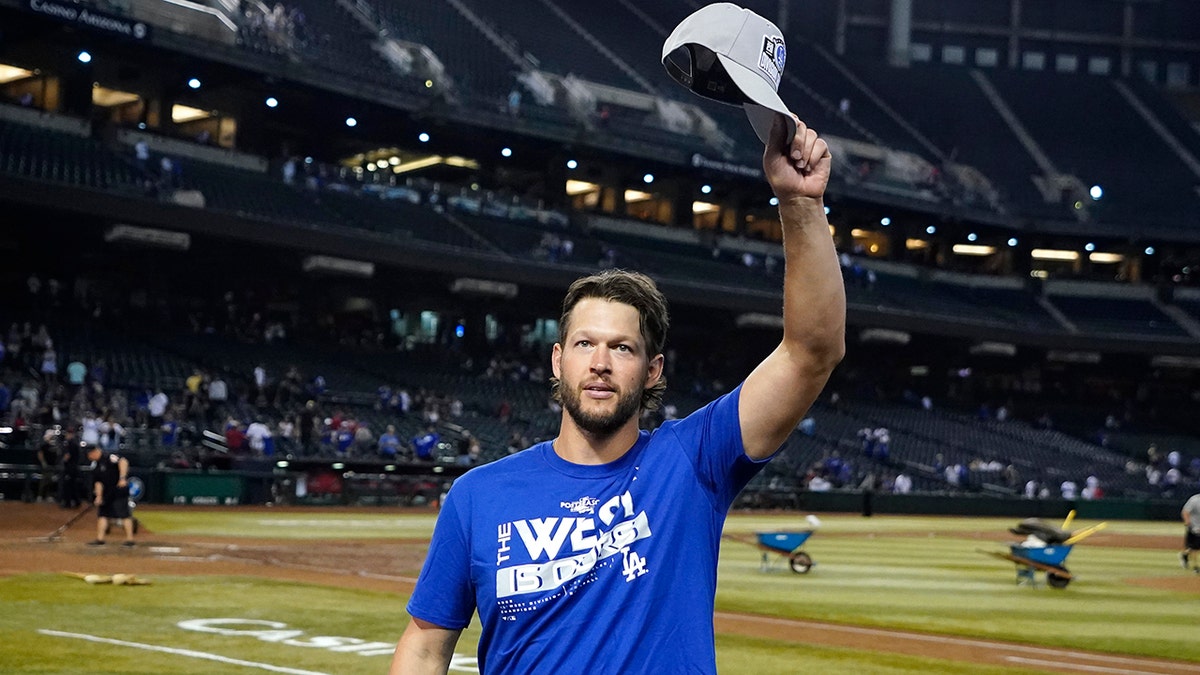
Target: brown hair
(636,290)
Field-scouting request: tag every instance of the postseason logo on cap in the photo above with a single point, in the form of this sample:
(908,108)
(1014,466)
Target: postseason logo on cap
(772,58)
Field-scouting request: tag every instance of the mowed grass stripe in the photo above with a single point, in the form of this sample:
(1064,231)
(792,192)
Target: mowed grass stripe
(288,525)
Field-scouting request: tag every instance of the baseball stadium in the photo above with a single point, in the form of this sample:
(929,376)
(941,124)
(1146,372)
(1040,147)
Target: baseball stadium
(284,288)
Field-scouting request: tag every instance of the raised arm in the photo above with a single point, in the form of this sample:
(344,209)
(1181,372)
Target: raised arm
(424,649)
(780,390)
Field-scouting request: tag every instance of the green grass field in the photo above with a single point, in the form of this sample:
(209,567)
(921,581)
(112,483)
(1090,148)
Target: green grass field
(922,574)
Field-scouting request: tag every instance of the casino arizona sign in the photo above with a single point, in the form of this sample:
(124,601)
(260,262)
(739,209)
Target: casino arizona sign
(90,18)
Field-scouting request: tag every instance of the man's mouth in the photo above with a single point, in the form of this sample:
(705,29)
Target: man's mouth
(599,390)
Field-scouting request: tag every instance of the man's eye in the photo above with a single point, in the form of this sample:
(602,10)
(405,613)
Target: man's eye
(623,348)
(583,343)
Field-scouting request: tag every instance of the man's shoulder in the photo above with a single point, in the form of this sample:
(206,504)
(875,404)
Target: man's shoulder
(519,463)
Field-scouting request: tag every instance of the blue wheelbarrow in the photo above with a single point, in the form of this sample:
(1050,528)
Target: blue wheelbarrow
(1030,560)
(787,545)
(1045,550)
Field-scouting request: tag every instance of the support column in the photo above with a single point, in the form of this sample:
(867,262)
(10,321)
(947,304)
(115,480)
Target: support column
(900,33)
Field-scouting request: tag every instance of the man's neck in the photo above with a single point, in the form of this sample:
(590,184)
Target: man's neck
(580,447)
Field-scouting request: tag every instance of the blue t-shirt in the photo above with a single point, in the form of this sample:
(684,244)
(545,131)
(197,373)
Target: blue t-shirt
(591,569)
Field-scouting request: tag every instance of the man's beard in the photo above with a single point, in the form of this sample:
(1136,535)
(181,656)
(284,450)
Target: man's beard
(601,424)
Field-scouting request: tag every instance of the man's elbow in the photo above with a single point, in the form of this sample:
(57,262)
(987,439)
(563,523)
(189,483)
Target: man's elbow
(825,355)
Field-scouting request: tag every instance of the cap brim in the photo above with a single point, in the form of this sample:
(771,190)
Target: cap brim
(763,103)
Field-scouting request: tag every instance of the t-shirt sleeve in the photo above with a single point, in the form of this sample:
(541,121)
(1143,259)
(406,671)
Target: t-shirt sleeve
(712,436)
(445,595)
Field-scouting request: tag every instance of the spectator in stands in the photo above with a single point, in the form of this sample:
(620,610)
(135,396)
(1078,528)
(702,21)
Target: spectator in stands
(389,443)
(76,374)
(111,433)
(289,171)
(90,428)
(607,366)
(1092,489)
(156,408)
(903,484)
(257,434)
(141,155)
(1069,490)
(344,438)
(68,477)
(170,431)
(425,444)
(364,440)
(49,367)
(286,435)
(47,456)
(514,102)
(235,438)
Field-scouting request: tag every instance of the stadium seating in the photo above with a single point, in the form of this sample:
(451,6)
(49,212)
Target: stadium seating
(1076,120)
(1118,316)
(59,157)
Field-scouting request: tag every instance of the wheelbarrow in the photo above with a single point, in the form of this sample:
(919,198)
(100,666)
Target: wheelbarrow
(1045,550)
(787,545)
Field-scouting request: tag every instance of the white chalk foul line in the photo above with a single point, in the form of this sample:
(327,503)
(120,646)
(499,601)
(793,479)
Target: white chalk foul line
(1078,666)
(965,642)
(181,652)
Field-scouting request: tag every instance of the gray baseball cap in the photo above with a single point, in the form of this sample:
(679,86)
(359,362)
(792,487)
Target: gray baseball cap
(732,55)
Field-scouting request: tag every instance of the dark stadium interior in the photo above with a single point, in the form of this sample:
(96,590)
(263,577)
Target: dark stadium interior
(363,198)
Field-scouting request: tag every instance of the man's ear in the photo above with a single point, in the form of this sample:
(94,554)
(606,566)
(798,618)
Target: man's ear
(654,371)
(556,360)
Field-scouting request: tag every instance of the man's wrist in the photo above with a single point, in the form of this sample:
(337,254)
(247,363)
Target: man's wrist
(803,211)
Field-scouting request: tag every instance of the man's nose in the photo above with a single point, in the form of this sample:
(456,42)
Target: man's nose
(601,362)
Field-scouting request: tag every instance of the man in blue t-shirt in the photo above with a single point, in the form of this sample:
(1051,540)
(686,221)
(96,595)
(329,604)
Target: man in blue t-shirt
(596,552)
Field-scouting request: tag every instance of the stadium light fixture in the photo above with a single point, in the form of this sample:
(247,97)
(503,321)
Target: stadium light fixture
(84,56)
(703,207)
(774,201)
(705,189)
(578,187)
(423,137)
(572,164)
(1096,192)
(351,122)
(1105,258)
(1012,241)
(826,210)
(648,178)
(506,152)
(915,244)
(885,221)
(858,232)
(194,83)
(930,230)
(272,102)
(973,249)
(632,196)
(429,84)
(1053,254)
(12,73)
(1149,250)
(1089,247)
(972,237)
